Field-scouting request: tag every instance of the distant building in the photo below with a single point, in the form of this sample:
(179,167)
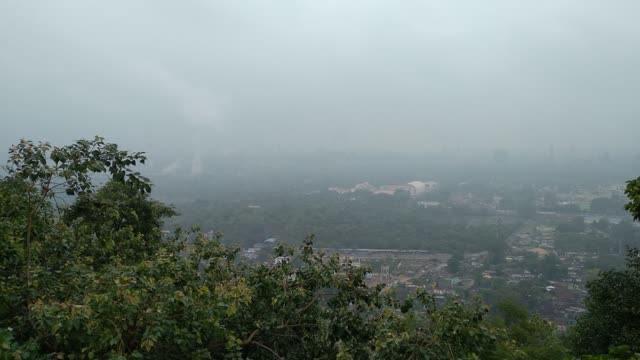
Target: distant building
(391,189)
(419,187)
(385,192)
(428,204)
(364,186)
(250,254)
(423,187)
(281,260)
(340,190)
(539,251)
(590,219)
(413,188)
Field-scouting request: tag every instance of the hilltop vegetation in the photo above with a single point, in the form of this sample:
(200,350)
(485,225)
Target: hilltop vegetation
(96,278)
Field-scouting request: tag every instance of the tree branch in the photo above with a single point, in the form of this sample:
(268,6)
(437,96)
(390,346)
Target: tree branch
(268,348)
(251,336)
(299,311)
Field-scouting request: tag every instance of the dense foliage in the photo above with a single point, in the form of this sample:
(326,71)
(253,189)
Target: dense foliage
(613,316)
(633,193)
(98,279)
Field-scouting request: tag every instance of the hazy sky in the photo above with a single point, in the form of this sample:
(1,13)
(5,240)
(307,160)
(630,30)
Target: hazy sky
(320,74)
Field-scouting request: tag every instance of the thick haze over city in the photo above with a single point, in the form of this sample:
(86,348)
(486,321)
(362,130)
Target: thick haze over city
(204,76)
(320,179)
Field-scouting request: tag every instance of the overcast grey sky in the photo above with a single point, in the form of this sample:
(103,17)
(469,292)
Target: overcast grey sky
(322,74)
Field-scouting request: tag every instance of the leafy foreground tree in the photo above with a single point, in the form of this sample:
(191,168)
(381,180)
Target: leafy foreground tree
(37,174)
(613,311)
(528,337)
(622,352)
(98,280)
(190,299)
(611,324)
(633,193)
